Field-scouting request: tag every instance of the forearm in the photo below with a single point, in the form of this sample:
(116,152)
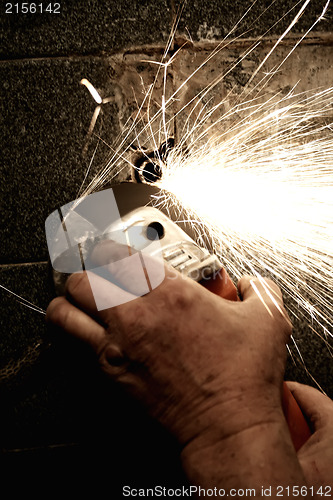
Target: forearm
(260,456)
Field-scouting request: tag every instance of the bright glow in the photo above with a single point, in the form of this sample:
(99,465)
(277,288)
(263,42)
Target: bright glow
(263,195)
(256,181)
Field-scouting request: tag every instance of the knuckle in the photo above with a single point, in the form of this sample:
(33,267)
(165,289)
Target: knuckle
(112,360)
(53,307)
(138,317)
(245,282)
(57,311)
(131,317)
(74,281)
(179,294)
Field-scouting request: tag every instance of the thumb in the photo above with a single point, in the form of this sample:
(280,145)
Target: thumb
(265,293)
(315,405)
(252,287)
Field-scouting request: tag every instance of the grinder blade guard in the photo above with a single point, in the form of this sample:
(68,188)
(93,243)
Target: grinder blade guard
(178,249)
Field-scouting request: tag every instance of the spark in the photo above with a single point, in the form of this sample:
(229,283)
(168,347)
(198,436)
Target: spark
(255,288)
(92,90)
(256,182)
(23,301)
(262,194)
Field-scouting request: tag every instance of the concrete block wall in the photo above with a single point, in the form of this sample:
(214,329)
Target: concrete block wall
(58,411)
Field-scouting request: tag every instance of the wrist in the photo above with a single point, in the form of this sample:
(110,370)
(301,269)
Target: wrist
(253,454)
(217,417)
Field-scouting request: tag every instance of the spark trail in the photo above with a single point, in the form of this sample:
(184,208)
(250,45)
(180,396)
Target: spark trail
(263,193)
(256,182)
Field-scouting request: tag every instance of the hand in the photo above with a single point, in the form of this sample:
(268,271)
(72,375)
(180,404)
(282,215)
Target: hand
(316,455)
(190,356)
(209,369)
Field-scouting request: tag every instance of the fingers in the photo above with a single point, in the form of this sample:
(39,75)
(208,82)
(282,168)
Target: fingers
(138,272)
(317,407)
(119,279)
(122,265)
(95,294)
(108,251)
(76,322)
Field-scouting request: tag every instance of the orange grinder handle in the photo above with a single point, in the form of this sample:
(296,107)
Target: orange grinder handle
(299,429)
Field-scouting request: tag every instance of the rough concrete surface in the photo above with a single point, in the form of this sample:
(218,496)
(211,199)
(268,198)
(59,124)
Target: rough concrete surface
(56,412)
